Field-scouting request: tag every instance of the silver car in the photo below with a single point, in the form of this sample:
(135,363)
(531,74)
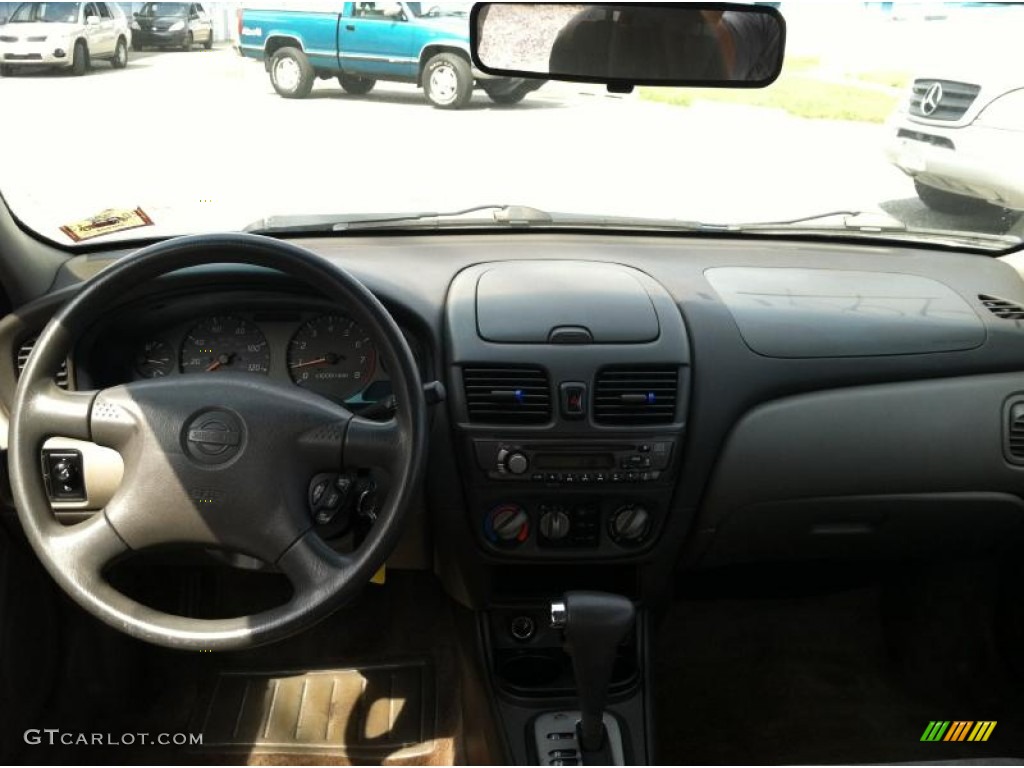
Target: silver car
(959,127)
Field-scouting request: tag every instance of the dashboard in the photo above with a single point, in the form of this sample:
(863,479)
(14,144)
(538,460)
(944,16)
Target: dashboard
(798,399)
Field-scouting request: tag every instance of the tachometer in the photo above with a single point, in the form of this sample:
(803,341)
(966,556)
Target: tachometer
(332,356)
(225,343)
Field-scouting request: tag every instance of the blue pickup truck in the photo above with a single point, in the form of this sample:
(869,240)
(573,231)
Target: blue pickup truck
(363,42)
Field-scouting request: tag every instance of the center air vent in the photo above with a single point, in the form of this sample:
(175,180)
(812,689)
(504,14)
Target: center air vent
(25,350)
(1001,308)
(627,396)
(507,395)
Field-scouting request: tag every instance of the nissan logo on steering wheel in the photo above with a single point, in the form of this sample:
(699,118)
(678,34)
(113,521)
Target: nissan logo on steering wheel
(932,99)
(213,437)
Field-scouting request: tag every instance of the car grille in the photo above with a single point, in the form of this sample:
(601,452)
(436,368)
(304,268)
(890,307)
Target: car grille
(23,57)
(927,138)
(955,101)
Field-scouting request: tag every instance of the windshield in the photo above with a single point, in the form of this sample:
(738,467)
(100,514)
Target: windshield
(47,12)
(898,119)
(428,10)
(164,9)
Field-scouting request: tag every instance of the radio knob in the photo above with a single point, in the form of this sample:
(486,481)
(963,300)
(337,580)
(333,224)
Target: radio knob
(517,464)
(630,524)
(508,524)
(554,525)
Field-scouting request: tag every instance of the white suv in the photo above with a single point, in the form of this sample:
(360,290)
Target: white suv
(960,132)
(69,35)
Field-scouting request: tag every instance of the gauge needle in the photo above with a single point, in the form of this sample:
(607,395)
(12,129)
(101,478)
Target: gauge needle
(320,361)
(220,361)
(325,360)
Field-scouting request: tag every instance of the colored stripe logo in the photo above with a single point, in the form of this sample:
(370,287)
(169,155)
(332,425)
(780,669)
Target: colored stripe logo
(958,730)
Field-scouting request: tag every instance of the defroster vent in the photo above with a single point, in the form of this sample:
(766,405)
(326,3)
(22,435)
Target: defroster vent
(636,395)
(507,395)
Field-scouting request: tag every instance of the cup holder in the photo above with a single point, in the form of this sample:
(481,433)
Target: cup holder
(531,669)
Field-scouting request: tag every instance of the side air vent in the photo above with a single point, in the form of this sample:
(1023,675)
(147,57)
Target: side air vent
(507,395)
(1001,308)
(627,396)
(25,350)
(1014,442)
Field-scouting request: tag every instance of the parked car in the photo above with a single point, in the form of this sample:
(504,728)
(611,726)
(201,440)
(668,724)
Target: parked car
(369,41)
(955,131)
(172,25)
(66,35)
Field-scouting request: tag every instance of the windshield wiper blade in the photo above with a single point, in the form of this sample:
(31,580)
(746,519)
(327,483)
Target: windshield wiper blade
(477,216)
(844,220)
(872,224)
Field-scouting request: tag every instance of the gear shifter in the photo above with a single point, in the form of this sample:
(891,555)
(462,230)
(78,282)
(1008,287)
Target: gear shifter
(594,624)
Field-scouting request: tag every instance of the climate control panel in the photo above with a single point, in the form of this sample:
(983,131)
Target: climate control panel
(562,526)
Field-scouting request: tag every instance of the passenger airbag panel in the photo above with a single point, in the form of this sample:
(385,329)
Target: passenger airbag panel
(817,313)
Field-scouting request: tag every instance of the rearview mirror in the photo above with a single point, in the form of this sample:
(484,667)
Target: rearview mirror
(721,45)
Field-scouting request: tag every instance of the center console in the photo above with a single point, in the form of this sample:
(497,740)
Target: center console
(569,385)
(568,388)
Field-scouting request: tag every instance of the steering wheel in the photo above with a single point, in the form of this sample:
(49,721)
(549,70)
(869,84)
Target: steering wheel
(221,460)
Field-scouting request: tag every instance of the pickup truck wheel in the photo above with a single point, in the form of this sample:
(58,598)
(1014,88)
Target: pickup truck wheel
(292,74)
(949,202)
(356,85)
(505,92)
(209,41)
(448,81)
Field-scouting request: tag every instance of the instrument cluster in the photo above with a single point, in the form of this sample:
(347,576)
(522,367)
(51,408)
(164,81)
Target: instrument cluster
(326,353)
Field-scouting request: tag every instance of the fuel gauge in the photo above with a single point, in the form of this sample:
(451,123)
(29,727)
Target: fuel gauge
(154,360)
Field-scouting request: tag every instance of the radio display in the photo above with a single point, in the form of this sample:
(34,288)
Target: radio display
(574,461)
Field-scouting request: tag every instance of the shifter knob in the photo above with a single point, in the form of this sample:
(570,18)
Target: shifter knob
(595,624)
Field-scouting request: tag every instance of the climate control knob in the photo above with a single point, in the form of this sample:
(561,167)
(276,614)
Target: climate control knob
(507,524)
(630,524)
(554,525)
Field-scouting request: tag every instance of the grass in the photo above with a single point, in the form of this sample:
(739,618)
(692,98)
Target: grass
(802,92)
(888,77)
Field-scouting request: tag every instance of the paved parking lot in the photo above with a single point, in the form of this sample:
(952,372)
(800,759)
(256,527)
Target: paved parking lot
(201,141)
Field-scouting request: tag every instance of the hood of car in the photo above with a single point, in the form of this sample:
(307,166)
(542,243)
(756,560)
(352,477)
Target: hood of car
(159,22)
(38,29)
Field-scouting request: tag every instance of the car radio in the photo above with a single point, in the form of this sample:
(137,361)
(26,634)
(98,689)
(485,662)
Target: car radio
(636,461)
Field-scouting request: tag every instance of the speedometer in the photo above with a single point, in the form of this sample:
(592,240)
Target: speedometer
(225,343)
(332,356)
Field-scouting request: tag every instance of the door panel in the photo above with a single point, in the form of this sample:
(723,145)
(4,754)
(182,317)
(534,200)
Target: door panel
(376,45)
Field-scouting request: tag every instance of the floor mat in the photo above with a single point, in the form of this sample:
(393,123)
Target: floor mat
(852,676)
(366,714)
(378,682)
